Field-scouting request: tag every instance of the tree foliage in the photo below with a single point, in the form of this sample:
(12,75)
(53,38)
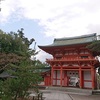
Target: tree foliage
(95,46)
(25,77)
(14,47)
(15,54)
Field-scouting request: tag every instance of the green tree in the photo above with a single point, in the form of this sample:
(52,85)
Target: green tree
(15,54)
(14,47)
(25,77)
(95,48)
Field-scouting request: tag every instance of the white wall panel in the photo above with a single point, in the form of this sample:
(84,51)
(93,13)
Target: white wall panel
(54,82)
(88,84)
(58,82)
(87,75)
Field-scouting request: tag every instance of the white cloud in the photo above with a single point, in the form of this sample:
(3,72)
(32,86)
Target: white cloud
(43,55)
(59,18)
(7,9)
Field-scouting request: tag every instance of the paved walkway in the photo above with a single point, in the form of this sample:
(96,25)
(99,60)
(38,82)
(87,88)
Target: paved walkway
(61,95)
(57,95)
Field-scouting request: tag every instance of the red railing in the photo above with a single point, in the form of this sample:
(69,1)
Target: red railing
(72,59)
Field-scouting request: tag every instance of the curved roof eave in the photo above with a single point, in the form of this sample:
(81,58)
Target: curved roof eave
(52,45)
(84,39)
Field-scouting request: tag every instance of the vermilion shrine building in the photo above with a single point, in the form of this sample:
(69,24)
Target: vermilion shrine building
(72,60)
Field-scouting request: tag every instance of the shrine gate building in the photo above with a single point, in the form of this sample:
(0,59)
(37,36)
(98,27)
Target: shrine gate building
(73,64)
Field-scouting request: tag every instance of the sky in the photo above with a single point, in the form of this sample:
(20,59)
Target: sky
(45,20)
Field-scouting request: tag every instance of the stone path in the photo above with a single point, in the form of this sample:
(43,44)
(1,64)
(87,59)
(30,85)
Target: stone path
(63,95)
(57,95)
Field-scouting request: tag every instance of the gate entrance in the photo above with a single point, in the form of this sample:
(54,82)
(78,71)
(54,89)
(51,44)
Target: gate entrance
(73,78)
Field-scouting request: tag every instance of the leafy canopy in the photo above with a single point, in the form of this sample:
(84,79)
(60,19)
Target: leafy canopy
(95,46)
(15,54)
(14,47)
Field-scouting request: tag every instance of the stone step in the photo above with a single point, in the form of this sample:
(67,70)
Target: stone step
(71,90)
(96,92)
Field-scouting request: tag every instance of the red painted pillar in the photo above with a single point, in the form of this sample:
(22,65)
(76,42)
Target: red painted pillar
(93,77)
(80,78)
(61,76)
(52,73)
(45,80)
(65,79)
(56,77)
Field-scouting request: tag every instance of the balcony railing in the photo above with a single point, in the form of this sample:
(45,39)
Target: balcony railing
(72,59)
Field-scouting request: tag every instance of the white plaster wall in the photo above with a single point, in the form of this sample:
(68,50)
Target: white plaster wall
(58,74)
(58,77)
(87,75)
(88,84)
(54,82)
(58,82)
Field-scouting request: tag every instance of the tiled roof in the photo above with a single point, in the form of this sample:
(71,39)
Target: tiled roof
(73,40)
(46,69)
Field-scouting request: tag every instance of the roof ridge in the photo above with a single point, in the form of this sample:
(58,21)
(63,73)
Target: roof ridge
(75,37)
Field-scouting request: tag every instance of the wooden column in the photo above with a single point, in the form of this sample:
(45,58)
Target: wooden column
(65,78)
(93,77)
(52,73)
(56,77)
(61,76)
(80,78)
